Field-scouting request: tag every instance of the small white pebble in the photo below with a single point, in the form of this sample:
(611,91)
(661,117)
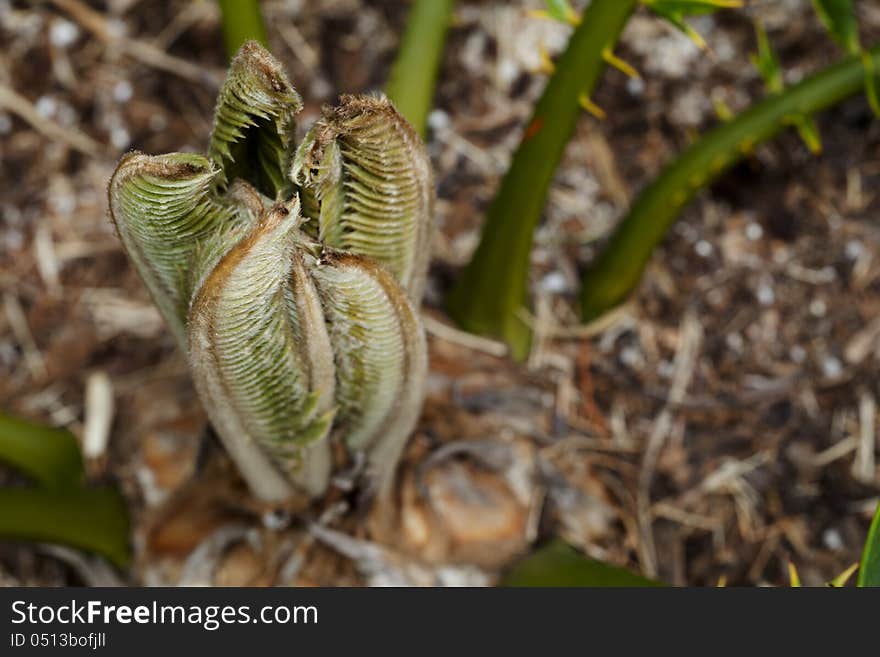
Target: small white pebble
(122,91)
(66,114)
(716,297)
(13,239)
(158,122)
(632,357)
(703,248)
(818,308)
(797,353)
(46,106)
(754,231)
(734,341)
(781,256)
(63,204)
(63,33)
(116,28)
(832,539)
(765,295)
(320,88)
(554,283)
(120,138)
(507,71)
(854,249)
(438,120)
(665,369)
(276,519)
(635,86)
(831,367)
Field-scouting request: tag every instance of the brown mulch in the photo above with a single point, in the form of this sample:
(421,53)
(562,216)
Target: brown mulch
(721,424)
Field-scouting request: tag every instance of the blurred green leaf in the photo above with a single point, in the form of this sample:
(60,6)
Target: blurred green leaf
(869,570)
(809,132)
(94,519)
(558,564)
(766,62)
(768,66)
(693,7)
(50,457)
(840,581)
(871,83)
(414,74)
(561,10)
(617,270)
(839,18)
(675,12)
(490,297)
(241,21)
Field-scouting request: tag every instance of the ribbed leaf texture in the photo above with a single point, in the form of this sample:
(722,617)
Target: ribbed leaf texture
(163,207)
(368,181)
(300,327)
(254,122)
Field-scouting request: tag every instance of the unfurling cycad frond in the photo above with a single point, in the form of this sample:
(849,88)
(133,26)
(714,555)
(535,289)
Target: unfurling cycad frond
(259,349)
(365,173)
(162,207)
(298,339)
(381,361)
(254,122)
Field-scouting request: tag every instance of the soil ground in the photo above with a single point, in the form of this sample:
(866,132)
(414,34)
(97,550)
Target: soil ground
(721,424)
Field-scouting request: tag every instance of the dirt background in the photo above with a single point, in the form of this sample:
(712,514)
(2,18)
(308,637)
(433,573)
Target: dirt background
(722,424)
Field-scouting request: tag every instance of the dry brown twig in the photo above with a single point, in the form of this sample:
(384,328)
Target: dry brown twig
(144,52)
(24,109)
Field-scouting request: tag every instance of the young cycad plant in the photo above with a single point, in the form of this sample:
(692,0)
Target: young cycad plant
(291,277)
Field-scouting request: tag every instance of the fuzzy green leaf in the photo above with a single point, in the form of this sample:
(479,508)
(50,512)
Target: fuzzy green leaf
(381,360)
(370,180)
(294,333)
(259,348)
(162,207)
(254,122)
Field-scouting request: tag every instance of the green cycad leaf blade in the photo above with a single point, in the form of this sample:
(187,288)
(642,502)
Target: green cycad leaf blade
(381,357)
(675,12)
(808,132)
(871,83)
(561,10)
(260,353)
(692,7)
(869,570)
(558,565)
(254,122)
(162,207)
(766,61)
(839,18)
(51,457)
(94,519)
(370,178)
